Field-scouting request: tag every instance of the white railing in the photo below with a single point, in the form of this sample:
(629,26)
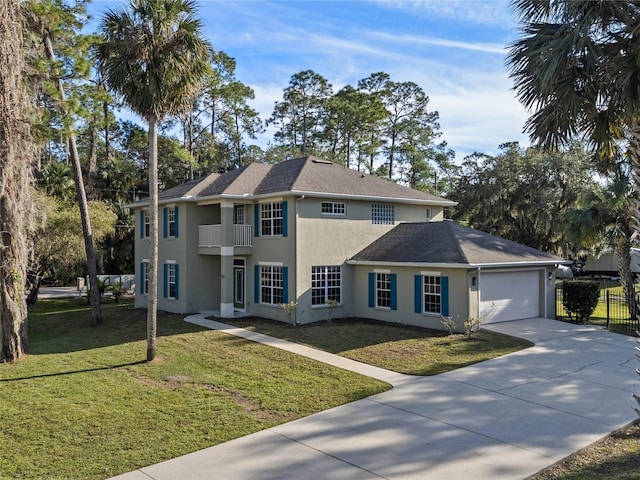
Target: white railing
(211,235)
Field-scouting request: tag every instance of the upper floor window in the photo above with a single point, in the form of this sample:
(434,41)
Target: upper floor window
(271,218)
(334,208)
(382,214)
(145,224)
(326,284)
(238,215)
(172,220)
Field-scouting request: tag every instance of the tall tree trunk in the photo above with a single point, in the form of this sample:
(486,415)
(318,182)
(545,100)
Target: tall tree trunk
(94,287)
(152,306)
(623,256)
(16,155)
(92,174)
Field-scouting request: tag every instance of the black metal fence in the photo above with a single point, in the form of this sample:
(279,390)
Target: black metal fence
(613,311)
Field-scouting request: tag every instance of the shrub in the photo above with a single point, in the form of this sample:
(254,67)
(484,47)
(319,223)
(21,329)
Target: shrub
(580,299)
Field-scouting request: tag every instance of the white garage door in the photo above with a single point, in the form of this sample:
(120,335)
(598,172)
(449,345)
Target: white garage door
(509,296)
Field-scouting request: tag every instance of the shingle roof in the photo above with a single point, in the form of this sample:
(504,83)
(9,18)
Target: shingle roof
(307,175)
(448,242)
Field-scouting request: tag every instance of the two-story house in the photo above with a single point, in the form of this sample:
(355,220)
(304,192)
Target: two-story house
(335,241)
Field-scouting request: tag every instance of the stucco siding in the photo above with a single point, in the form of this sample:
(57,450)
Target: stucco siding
(457,299)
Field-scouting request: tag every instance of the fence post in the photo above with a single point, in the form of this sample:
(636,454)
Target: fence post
(607,309)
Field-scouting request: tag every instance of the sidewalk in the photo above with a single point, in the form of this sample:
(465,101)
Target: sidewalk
(505,418)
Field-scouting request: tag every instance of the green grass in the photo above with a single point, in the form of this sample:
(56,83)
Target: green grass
(404,349)
(616,457)
(83,405)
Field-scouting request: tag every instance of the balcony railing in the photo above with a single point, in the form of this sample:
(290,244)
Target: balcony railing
(211,235)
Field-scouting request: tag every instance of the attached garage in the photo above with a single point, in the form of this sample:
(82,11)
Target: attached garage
(508,296)
(480,275)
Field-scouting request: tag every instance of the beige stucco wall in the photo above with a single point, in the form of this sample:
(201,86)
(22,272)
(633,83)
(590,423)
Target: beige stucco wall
(333,239)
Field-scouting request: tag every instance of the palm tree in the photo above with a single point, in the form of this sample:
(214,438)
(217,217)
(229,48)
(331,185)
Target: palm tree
(576,67)
(606,220)
(154,57)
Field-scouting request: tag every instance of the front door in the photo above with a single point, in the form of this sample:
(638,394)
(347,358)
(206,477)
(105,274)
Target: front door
(238,288)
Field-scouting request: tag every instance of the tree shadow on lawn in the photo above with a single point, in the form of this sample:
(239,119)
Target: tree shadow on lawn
(64,326)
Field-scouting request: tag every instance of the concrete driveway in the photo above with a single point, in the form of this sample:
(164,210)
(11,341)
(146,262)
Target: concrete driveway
(505,418)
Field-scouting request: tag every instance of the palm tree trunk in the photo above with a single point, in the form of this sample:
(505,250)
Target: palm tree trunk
(152,307)
(94,287)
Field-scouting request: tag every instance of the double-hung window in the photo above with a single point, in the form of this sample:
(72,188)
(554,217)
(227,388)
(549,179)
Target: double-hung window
(383,290)
(145,224)
(271,284)
(432,293)
(326,284)
(144,277)
(171,280)
(431,290)
(171,222)
(382,214)
(271,218)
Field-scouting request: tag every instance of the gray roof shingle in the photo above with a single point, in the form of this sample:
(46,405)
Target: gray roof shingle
(448,242)
(306,175)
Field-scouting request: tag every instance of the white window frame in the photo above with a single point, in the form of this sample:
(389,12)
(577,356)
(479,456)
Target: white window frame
(271,284)
(383,290)
(326,284)
(429,213)
(146,225)
(145,277)
(271,219)
(334,208)
(171,222)
(171,281)
(238,215)
(431,293)
(382,214)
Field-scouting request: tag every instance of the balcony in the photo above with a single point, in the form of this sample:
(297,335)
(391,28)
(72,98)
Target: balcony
(210,236)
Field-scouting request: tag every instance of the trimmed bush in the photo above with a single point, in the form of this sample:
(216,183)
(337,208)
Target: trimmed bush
(580,299)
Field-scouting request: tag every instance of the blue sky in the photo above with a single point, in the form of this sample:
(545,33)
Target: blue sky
(454,49)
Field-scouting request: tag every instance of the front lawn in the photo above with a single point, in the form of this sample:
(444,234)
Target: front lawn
(84,405)
(403,349)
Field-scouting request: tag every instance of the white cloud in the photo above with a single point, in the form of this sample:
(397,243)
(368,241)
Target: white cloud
(487,12)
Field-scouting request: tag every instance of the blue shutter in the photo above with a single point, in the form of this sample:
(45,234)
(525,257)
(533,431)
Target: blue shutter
(141,223)
(165,222)
(256,220)
(284,219)
(372,289)
(256,284)
(444,296)
(166,280)
(394,291)
(285,284)
(177,277)
(175,219)
(142,292)
(417,282)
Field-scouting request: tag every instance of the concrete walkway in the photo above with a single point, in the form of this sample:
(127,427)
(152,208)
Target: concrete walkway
(505,418)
